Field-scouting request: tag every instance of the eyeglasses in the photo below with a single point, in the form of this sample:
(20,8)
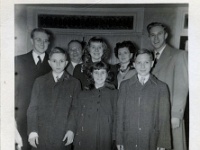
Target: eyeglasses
(39,40)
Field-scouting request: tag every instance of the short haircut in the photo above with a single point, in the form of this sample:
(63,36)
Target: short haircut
(41,30)
(76,41)
(57,50)
(123,44)
(106,50)
(153,24)
(144,51)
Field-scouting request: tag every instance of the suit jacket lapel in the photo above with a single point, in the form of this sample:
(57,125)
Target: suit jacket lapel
(164,58)
(70,68)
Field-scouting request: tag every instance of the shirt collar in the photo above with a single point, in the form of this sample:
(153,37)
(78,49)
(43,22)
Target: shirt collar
(55,76)
(160,52)
(74,64)
(35,57)
(146,77)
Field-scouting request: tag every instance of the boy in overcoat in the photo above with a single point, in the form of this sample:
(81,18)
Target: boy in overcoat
(51,100)
(143,109)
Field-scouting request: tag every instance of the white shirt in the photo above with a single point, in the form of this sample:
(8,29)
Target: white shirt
(146,78)
(57,76)
(160,52)
(35,57)
(74,64)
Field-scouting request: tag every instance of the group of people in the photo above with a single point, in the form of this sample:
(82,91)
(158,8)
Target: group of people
(77,100)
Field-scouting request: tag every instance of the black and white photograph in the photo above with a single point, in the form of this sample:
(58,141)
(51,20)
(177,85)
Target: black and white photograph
(97,76)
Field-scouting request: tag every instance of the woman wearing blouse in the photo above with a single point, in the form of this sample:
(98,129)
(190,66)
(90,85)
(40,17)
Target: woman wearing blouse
(125,51)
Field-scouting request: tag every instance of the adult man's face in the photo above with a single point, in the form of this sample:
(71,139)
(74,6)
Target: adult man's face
(40,42)
(158,36)
(75,52)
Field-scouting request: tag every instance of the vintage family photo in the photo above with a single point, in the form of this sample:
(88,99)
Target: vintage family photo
(101,76)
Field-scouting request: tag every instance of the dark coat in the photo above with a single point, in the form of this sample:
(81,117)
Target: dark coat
(48,111)
(70,68)
(82,75)
(172,68)
(143,115)
(25,74)
(94,124)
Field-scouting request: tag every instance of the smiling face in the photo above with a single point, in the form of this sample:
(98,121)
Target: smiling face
(99,77)
(96,51)
(143,64)
(157,36)
(75,52)
(57,62)
(124,55)
(40,42)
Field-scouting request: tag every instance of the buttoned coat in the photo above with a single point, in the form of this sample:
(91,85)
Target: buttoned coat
(172,68)
(49,108)
(94,122)
(26,72)
(143,115)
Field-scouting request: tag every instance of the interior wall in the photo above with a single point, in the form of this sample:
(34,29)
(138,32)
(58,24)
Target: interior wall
(21,30)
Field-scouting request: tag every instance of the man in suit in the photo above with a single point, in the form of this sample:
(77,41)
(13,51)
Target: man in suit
(27,68)
(75,51)
(172,68)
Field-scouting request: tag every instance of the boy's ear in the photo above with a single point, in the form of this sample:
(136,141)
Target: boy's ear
(134,64)
(152,63)
(166,35)
(131,55)
(31,41)
(67,62)
(49,62)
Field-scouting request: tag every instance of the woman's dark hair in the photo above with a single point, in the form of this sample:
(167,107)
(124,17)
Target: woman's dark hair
(106,50)
(98,66)
(131,47)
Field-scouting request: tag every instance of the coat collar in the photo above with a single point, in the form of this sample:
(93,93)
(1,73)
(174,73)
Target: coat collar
(135,80)
(50,78)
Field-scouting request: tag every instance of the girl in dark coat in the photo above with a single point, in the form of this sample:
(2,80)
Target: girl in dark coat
(96,51)
(93,125)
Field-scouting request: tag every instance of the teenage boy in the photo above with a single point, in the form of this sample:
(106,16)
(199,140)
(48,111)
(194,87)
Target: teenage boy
(143,109)
(51,100)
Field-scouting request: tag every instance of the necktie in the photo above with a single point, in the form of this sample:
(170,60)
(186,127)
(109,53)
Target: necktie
(156,58)
(57,78)
(39,62)
(142,79)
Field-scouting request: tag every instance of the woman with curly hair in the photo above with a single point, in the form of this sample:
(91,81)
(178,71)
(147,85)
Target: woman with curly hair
(96,51)
(125,51)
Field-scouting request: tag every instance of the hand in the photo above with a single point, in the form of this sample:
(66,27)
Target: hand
(120,147)
(33,139)
(18,140)
(175,122)
(69,136)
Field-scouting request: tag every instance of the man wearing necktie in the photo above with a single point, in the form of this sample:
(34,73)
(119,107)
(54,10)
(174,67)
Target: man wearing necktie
(172,68)
(27,68)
